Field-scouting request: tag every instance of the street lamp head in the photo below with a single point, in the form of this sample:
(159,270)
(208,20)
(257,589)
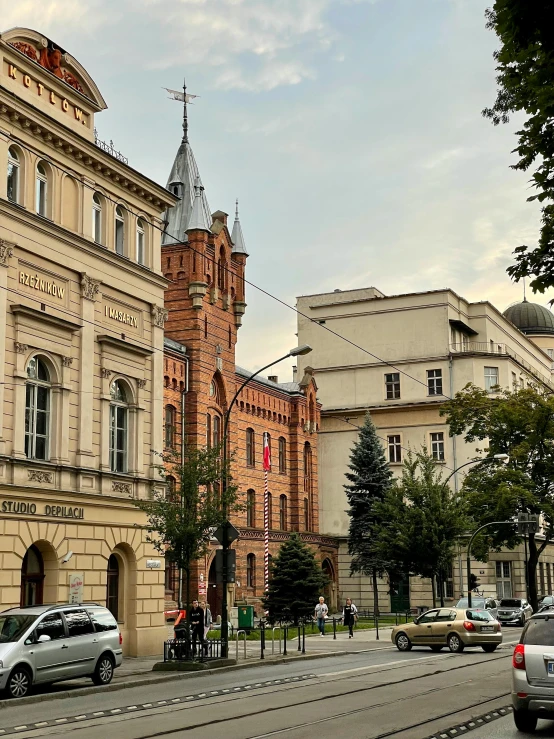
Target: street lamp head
(299,351)
(502,458)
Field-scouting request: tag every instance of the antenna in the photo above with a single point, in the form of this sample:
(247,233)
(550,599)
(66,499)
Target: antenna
(524,291)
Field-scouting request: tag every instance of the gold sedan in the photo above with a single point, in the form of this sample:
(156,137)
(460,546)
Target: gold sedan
(455,628)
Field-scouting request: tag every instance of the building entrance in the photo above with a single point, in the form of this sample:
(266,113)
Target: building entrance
(32,578)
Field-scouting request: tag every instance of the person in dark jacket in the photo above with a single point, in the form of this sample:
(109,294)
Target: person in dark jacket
(196,625)
(349,616)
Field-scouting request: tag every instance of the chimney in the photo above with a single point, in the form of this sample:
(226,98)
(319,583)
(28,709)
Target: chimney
(273,378)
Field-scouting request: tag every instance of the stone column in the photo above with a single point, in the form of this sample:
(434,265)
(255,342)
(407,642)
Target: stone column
(6,251)
(89,291)
(159,317)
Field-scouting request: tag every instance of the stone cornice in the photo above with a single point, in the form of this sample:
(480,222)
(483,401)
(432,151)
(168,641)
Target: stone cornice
(84,152)
(308,537)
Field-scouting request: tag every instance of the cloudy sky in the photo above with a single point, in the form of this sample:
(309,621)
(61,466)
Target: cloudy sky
(350,130)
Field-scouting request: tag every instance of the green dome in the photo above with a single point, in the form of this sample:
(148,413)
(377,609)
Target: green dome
(531,318)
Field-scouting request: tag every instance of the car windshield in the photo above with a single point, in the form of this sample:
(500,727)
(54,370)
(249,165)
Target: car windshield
(475,603)
(476,615)
(510,603)
(14,626)
(539,631)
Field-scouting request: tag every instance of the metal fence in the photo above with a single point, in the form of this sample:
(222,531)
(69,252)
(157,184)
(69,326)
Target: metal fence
(192,650)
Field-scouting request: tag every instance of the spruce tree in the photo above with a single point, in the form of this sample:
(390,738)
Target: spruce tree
(369,480)
(296,583)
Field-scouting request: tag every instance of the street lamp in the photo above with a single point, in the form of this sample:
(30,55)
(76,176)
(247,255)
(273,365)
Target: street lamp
(296,352)
(495,458)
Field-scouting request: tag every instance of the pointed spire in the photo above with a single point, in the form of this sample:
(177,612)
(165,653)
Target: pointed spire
(198,220)
(185,115)
(236,236)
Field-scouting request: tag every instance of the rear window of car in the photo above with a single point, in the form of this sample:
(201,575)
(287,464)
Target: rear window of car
(476,615)
(539,631)
(510,603)
(475,602)
(102,620)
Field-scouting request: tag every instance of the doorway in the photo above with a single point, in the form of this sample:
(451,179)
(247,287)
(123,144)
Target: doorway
(32,578)
(112,588)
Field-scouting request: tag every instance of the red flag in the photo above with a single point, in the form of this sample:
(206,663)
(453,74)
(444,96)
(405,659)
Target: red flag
(267,454)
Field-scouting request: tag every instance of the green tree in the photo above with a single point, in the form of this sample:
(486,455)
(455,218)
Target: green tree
(296,583)
(525,78)
(179,520)
(421,521)
(369,480)
(520,424)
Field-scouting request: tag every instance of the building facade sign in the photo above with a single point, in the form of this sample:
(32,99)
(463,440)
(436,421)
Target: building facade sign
(32,509)
(76,587)
(123,314)
(36,281)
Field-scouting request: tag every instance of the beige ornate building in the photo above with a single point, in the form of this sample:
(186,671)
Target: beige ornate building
(81,348)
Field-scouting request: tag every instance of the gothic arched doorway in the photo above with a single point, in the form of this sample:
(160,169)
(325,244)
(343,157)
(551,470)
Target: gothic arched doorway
(214,592)
(32,578)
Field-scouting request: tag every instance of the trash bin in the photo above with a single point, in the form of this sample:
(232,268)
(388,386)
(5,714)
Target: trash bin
(246,617)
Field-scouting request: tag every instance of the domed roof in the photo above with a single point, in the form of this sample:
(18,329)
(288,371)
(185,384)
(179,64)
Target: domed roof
(531,318)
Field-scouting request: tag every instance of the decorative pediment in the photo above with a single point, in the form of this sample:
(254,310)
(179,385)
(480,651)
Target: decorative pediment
(47,54)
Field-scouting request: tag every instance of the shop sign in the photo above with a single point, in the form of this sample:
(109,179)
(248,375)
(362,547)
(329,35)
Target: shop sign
(32,509)
(153,564)
(121,314)
(76,584)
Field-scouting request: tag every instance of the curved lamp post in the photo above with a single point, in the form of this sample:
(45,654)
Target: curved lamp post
(495,458)
(296,352)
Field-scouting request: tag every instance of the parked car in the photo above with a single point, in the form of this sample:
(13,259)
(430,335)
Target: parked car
(515,611)
(533,672)
(45,644)
(455,628)
(477,601)
(546,600)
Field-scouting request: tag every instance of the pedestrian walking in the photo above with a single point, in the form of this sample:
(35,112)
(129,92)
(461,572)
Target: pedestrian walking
(321,612)
(197,625)
(207,623)
(349,616)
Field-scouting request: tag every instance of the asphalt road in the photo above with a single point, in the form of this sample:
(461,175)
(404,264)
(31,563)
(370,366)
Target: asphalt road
(370,695)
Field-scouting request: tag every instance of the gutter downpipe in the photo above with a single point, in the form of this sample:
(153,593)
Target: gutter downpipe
(455,459)
(183,393)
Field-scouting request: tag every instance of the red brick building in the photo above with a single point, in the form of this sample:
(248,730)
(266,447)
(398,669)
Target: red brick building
(205,264)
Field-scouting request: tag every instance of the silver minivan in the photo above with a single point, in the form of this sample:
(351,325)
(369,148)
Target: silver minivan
(44,644)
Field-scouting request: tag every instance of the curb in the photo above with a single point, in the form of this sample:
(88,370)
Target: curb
(160,678)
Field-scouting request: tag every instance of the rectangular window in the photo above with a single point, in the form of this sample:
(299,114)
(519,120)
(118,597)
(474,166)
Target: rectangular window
(140,246)
(282,455)
(491,378)
(250,508)
(250,449)
(514,381)
(306,515)
(437,446)
(504,580)
(217,430)
(119,235)
(395,448)
(392,385)
(13,177)
(434,382)
(118,438)
(41,196)
(283,512)
(37,419)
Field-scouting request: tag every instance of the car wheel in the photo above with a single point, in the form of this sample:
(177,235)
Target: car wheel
(436,648)
(19,683)
(103,672)
(525,721)
(455,644)
(403,643)
(489,647)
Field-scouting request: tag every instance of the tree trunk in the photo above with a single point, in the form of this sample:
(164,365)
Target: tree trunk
(532,572)
(434,590)
(375,594)
(187,606)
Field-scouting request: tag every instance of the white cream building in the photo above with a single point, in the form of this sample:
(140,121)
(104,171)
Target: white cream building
(81,348)
(419,349)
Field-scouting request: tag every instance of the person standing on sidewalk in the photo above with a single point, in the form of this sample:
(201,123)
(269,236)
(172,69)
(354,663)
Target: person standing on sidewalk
(321,612)
(349,616)
(197,625)
(207,623)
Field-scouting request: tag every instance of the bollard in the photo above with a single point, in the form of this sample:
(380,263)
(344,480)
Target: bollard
(299,637)
(285,640)
(334,628)
(262,640)
(303,639)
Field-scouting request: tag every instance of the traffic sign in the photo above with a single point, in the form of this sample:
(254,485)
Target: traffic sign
(232,533)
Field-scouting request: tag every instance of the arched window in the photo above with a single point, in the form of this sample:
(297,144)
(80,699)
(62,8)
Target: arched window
(250,508)
(169,427)
(112,588)
(140,241)
(282,454)
(221,270)
(41,190)
(119,424)
(251,571)
(250,448)
(216,422)
(119,230)
(14,170)
(32,578)
(307,468)
(283,512)
(269,511)
(208,430)
(306,515)
(37,410)
(96,218)
(170,491)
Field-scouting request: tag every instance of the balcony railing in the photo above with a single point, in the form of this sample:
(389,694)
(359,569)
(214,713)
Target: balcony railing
(492,349)
(109,149)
